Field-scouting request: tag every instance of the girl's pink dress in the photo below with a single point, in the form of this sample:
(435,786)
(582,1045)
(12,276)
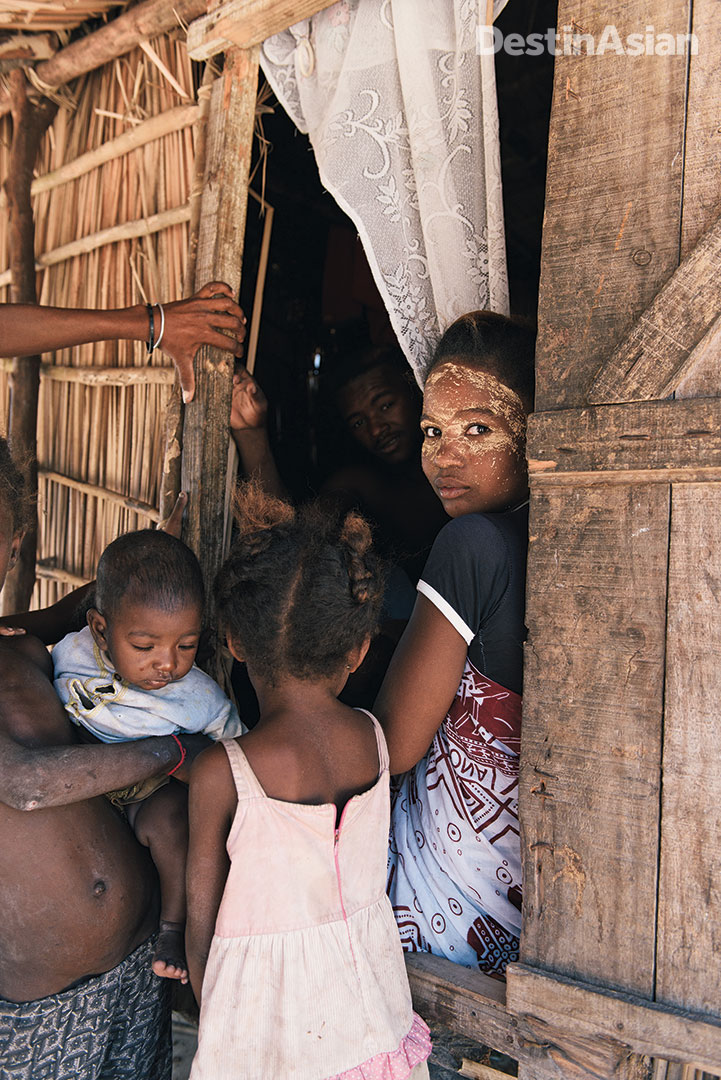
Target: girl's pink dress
(305,978)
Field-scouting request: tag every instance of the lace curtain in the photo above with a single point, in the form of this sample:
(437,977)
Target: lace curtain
(401,112)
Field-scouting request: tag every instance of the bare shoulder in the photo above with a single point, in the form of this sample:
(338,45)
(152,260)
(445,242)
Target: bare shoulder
(211,766)
(29,647)
(30,709)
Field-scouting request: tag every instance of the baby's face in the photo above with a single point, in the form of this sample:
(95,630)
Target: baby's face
(149,648)
(474,431)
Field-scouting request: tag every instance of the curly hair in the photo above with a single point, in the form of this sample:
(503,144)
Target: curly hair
(151,568)
(504,347)
(13,493)
(301,588)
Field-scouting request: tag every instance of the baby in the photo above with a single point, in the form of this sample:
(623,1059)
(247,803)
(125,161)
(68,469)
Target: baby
(130,674)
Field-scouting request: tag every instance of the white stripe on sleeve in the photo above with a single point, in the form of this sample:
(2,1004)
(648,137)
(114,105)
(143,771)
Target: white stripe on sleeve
(445,609)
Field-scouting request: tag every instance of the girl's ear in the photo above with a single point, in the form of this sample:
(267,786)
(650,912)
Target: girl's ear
(98,627)
(15,549)
(357,656)
(235,650)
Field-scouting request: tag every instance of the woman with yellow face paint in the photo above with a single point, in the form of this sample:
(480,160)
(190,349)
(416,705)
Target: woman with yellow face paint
(450,703)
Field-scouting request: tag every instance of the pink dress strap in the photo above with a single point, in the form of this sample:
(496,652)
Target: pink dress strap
(383,759)
(246,782)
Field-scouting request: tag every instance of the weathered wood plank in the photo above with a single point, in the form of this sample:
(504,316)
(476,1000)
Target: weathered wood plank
(688,475)
(613,194)
(219,256)
(589,1012)
(590,768)
(689,927)
(244,23)
(702,166)
(652,359)
(644,435)
(473,1004)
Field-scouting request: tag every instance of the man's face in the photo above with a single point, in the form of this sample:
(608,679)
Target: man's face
(380,413)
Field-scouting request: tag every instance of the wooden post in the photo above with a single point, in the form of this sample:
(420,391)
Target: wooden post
(220,251)
(29,124)
(170,484)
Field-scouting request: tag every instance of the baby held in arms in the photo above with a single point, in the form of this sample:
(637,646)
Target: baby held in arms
(130,673)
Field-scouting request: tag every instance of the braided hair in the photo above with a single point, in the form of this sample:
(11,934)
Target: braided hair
(495,343)
(301,588)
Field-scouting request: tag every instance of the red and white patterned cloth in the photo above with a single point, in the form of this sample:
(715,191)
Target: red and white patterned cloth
(454,868)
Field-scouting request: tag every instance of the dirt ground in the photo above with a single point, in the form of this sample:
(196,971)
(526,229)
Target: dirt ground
(449,1050)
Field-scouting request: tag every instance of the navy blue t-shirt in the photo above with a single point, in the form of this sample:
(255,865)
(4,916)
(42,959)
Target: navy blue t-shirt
(476,577)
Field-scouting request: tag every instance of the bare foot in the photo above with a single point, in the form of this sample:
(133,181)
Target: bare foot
(169,960)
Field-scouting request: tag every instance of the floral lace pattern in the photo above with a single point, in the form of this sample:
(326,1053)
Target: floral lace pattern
(401,112)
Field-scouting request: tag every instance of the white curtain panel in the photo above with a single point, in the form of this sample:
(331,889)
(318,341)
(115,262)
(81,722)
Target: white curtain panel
(402,115)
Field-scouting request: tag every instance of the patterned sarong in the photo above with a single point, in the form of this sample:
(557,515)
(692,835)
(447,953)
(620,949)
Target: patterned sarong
(454,868)
(114,1026)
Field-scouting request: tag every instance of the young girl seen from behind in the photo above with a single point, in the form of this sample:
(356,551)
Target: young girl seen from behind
(290,934)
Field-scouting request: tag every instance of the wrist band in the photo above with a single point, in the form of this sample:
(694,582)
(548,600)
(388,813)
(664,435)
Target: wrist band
(182,754)
(162,326)
(150,345)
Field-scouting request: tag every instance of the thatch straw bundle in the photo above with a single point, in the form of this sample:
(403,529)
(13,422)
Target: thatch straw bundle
(107,437)
(54,15)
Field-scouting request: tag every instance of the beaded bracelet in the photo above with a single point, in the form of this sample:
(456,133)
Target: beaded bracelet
(182,754)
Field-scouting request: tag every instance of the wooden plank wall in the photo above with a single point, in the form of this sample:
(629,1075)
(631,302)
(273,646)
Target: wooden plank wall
(622,721)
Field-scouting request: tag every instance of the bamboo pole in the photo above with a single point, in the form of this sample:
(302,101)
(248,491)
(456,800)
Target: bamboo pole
(29,125)
(126,501)
(129,230)
(99,376)
(56,573)
(148,131)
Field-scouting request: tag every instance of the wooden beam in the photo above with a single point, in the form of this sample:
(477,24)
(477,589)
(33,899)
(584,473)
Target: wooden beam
(613,192)
(146,20)
(542,481)
(687,969)
(128,230)
(473,1004)
(170,481)
(220,250)
(654,357)
(101,376)
(647,435)
(126,501)
(244,23)
(590,1012)
(29,125)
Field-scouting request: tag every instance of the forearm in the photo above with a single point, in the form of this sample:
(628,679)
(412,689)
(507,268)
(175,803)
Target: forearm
(257,459)
(197,949)
(29,329)
(53,623)
(35,778)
